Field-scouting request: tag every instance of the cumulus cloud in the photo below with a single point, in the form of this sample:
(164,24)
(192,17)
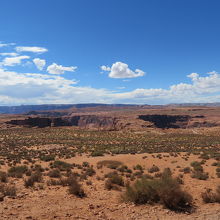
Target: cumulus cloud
(12,61)
(33,88)
(39,63)
(202,89)
(12,54)
(31,49)
(6,44)
(59,69)
(121,70)
(105,68)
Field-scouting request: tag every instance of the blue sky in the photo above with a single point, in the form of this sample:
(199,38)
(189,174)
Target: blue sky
(109,51)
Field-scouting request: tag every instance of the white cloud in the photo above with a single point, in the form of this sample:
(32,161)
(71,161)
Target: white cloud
(121,70)
(6,44)
(31,49)
(40,63)
(33,88)
(105,68)
(59,69)
(12,61)
(12,54)
(121,87)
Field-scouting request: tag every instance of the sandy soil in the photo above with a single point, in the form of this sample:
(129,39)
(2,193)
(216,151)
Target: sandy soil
(54,202)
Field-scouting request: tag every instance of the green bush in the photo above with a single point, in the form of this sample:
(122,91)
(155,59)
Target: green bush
(54,173)
(61,165)
(17,171)
(153,169)
(112,164)
(165,190)
(97,154)
(3,177)
(186,170)
(47,158)
(113,181)
(75,188)
(211,197)
(200,175)
(7,190)
(35,177)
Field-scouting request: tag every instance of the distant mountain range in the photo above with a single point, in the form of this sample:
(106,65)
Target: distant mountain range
(50,107)
(27,108)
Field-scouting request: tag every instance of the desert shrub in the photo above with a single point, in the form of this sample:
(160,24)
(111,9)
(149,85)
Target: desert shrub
(61,165)
(197,166)
(113,181)
(3,177)
(54,173)
(211,197)
(47,158)
(89,182)
(204,156)
(198,171)
(186,170)
(153,169)
(35,177)
(38,168)
(138,174)
(218,170)
(124,169)
(158,175)
(217,164)
(112,164)
(147,176)
(8,190)
(138,167)
(53,182)
(75,188)
(202,162)
(179,179)
(200,175)
(143,191)
(90,171)
(28,182)
(166,173)
(165,190)
(17,171)
(61,181)
(28,172)
(85,164)
(97,153)
(173,197)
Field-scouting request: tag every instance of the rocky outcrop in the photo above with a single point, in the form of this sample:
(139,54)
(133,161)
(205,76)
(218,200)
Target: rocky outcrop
(82,121)
(177,121)
(32,122)
(97,122)
(167,121)
(111,123)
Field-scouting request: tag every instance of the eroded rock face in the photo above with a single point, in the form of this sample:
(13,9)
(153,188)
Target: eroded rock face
(167,121)
(97,122)
(108,123)
(82,121)
(32,122)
